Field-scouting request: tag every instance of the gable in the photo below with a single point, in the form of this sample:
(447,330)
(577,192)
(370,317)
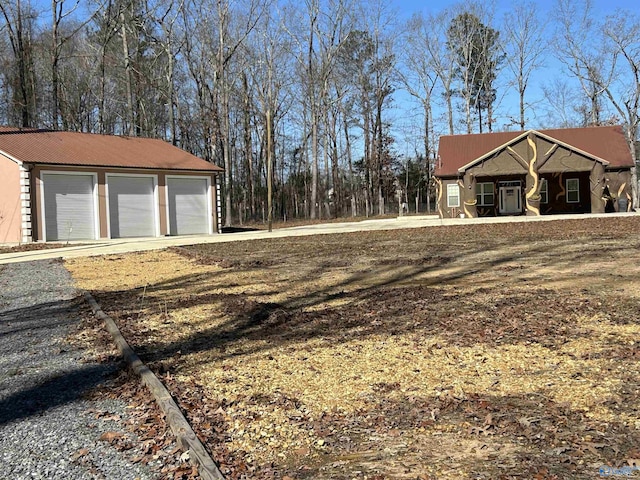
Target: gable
(501,161)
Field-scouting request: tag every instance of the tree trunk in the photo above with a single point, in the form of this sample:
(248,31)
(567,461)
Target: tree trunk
(55,58)
(450,112)
(248,153)
(269,169)
(314,165)
(427,153)
(127,75)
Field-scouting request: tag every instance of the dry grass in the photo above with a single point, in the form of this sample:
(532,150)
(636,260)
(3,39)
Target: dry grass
(495,351)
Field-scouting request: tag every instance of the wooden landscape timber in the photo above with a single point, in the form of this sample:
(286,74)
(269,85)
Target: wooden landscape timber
(186,437)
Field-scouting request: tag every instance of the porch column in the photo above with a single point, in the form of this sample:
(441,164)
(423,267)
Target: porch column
(597,184)
(469,195)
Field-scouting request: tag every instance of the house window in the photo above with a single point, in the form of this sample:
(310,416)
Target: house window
(453,195)
(484,194)
(573,190)
(544,191)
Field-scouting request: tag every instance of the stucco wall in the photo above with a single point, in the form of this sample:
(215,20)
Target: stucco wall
(503,163)
(619,184)
(10,213)
(444,210)
(102,194)
(564,160)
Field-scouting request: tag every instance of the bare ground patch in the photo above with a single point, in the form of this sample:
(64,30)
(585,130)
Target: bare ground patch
(486,351)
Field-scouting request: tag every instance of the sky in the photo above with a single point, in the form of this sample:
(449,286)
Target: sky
(407,7)
(407,118)
(507,102)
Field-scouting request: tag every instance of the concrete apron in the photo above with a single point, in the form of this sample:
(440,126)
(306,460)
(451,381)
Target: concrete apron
(118,246)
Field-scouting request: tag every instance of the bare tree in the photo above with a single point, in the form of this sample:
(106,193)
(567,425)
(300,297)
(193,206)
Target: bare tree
(270,70)
(18,21)
(525,44)
(579,47)
(442,59)
(563,104)
(419,78)
(228,44)
(623,32)
(58,40)
(170,44)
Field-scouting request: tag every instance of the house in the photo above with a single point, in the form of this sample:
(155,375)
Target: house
(536,172)
(59,186)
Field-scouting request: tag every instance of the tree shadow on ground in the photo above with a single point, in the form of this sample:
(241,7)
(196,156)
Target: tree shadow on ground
(61,389)
(32,345)
(390,298)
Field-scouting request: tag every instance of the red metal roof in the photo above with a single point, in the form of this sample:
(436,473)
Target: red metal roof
(87,149)
(606,143)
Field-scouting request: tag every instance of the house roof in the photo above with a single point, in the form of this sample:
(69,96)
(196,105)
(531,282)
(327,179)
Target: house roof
(607,144)
(86,149)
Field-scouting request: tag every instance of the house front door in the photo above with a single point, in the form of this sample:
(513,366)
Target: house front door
(510,198)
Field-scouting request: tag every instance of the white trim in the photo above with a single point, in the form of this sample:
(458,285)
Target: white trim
(218,204)
(25,203)
(566,184)
(156,204)
(207,178)
(518,195)
(96,211)
(449,187)
(11,157)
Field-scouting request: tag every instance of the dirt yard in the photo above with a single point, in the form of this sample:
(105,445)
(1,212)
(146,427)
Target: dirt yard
(480,351)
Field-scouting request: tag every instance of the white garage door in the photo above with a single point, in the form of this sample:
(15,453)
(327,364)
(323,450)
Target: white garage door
(188,205)
(132,211)
(69,207)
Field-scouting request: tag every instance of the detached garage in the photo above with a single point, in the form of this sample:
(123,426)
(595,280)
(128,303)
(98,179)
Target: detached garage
(60,186)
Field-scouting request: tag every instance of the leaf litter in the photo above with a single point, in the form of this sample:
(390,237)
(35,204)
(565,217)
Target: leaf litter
(479,351)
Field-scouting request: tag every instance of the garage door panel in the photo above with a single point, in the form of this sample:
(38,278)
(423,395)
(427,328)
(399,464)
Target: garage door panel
(69,207)
(188,206)
(132,211)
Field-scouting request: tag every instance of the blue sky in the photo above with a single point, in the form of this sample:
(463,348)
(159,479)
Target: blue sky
(603,7)
(408,119)
(507,103)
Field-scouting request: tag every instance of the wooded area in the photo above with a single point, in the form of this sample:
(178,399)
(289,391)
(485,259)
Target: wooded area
(315,95)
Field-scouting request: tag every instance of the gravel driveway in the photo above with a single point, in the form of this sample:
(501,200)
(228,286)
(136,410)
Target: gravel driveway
(48,428)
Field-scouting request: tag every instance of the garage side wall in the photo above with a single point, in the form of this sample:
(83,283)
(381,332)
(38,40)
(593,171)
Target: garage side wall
(10,205)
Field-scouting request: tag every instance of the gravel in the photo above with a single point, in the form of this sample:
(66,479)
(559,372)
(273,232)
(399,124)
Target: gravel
(48,426)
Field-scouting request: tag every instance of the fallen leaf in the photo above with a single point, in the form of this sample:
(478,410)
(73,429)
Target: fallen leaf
(111,436)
